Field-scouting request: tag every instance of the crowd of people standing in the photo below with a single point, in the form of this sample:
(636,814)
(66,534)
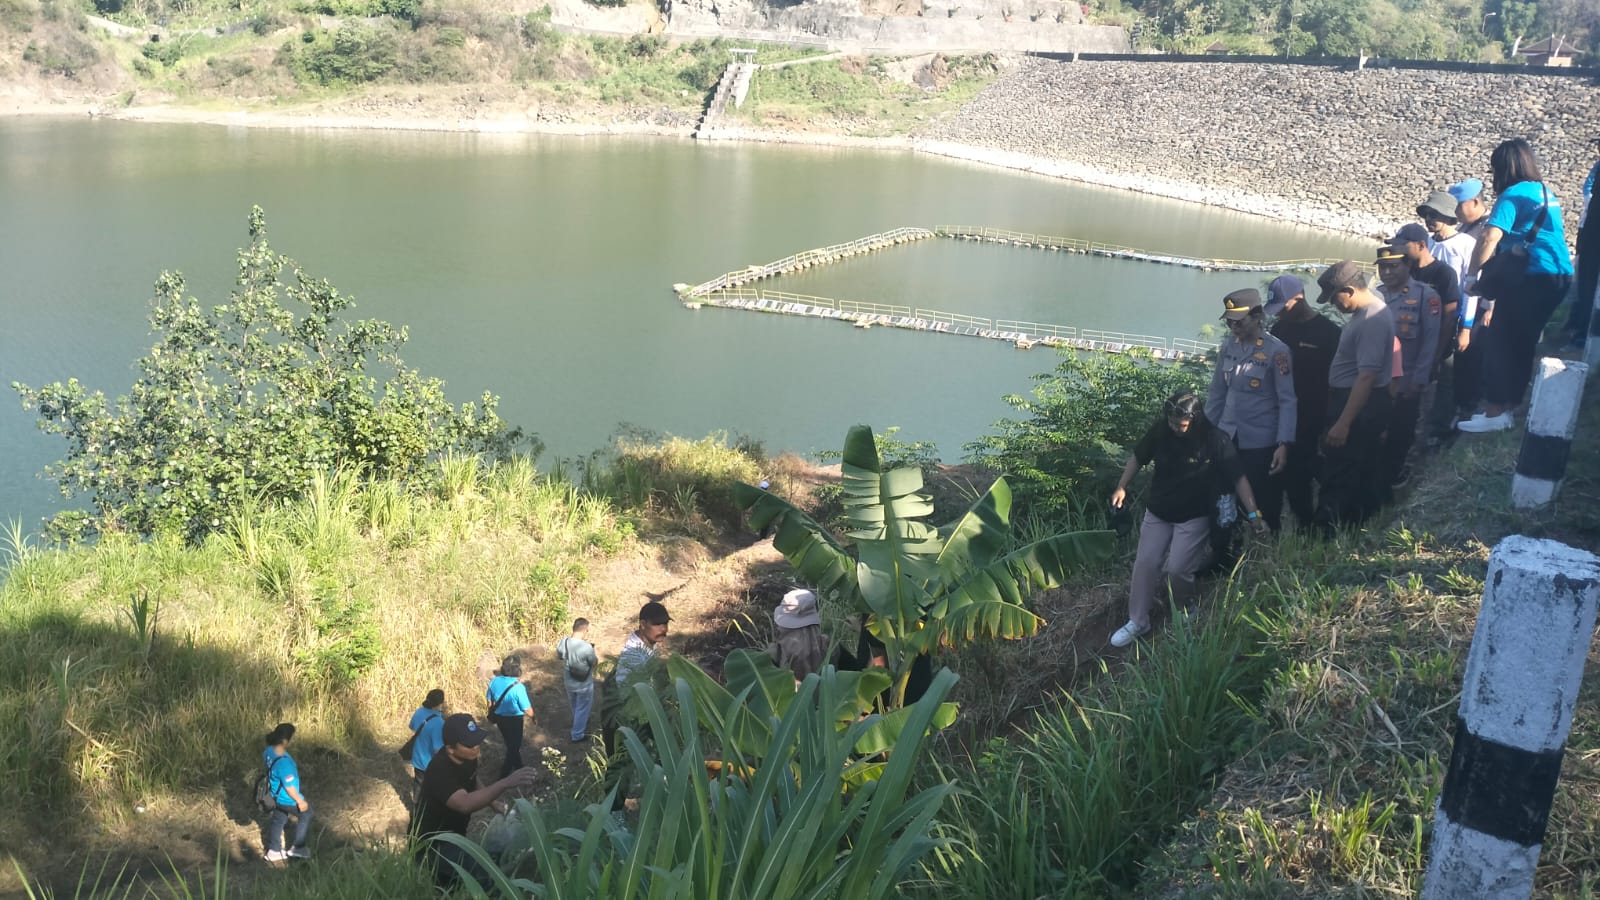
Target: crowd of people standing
(1328,416)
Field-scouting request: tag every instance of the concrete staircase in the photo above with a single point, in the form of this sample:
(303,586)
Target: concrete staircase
(731,89)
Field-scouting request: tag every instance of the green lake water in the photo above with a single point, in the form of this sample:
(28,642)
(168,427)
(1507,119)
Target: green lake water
(540,268)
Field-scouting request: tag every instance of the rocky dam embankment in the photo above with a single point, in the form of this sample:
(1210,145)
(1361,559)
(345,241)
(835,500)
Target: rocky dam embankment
(1351,150)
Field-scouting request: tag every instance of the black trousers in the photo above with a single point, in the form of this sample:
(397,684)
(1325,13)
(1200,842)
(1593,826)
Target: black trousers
(1580,321)
(511,731)
(1351,488)
(1269,492)
(1514,335)
(1403,412)
(1467,372)
(1296,478)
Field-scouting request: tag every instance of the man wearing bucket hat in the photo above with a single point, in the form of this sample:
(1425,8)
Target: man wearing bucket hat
(800,644)
(1311,338)
(1252,398)
(1358,398)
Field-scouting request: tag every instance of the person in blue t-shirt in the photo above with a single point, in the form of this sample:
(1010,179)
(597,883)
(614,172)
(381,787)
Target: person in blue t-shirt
(1526,214)
(427,724)
(283,782)
(509,706)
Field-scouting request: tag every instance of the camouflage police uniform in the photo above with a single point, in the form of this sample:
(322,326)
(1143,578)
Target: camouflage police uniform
(1417,310)
(1252,401)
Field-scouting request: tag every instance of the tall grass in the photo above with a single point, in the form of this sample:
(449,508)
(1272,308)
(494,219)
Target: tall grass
(309,612)
(1070,806)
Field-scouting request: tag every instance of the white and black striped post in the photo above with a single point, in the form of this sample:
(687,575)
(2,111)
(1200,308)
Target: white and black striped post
(1552,416)
(1523,672)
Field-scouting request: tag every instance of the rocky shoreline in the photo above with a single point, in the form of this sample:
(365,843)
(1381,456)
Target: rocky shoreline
(1353,151)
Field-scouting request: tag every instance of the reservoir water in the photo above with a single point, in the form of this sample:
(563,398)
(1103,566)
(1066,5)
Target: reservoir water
(540,268)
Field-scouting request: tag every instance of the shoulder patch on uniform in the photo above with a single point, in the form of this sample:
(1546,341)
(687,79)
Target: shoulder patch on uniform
(1433,304)
(1281,360)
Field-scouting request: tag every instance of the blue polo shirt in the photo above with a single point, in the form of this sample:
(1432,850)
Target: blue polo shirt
(429,740)
(1514,212)
(282,774)
(516,700)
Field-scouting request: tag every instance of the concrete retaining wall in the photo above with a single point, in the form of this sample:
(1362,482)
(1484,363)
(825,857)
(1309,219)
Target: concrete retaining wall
(1352,150)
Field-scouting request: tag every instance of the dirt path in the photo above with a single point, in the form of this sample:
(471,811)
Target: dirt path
(705,588)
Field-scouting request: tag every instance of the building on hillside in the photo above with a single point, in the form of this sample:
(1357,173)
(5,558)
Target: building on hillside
(1217,48)
(1552,51)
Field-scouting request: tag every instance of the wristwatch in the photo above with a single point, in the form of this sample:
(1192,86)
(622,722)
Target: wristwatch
(1253,514)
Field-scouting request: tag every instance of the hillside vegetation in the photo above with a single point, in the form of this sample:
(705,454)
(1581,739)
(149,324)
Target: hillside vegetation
(1483,30)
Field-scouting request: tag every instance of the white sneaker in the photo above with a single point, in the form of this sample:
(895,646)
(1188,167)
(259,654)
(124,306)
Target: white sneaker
(1477,425)
(1128,633)
(301,852)
(276,856)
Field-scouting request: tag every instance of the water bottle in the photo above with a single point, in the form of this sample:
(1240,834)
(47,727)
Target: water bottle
(1227,510)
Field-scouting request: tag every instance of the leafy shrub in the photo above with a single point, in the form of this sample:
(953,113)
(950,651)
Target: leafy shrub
(251,399)
(16,15)
(67,55)
(167,53)
(451,37)
(791,821)
(1081,421)
(356,53)
(347,642)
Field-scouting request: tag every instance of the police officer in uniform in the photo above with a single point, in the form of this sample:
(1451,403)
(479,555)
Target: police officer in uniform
(1417,310)
(1252,398)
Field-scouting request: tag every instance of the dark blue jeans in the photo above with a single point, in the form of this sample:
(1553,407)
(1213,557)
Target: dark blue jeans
(280,818)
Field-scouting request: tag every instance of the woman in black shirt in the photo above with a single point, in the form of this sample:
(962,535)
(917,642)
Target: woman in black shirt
(1194,463)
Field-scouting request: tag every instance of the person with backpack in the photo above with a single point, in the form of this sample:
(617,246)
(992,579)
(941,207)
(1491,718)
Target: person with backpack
(577,675)
(1530,277)
(283,792)
(427,735)
(509,705)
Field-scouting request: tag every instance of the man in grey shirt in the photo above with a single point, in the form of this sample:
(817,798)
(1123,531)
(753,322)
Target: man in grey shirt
(1358,399)
(577,675)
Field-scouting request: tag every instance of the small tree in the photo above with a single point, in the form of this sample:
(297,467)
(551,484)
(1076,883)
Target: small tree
(247,400)
(1080,421)
(919,587)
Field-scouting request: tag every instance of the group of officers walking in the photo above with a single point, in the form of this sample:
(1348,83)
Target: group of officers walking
(1328,417)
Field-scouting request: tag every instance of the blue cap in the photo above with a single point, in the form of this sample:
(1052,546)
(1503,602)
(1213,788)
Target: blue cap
(1471,189)
(1282,289)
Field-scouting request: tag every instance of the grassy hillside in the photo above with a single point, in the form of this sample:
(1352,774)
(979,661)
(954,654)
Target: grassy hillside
(442,59)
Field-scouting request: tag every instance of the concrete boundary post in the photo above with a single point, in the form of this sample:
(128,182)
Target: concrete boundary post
(1552,416)
(1517,696)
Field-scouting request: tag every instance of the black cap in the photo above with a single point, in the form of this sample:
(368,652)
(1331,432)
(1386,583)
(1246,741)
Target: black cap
(1238,304)
(462,730)
(653,613)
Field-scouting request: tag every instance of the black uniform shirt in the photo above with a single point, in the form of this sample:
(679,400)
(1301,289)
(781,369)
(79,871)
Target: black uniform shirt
(1312,344)
(1191,470)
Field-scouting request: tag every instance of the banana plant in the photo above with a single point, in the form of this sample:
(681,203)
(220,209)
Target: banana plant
(757,694)
(917,586)
(783,823)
